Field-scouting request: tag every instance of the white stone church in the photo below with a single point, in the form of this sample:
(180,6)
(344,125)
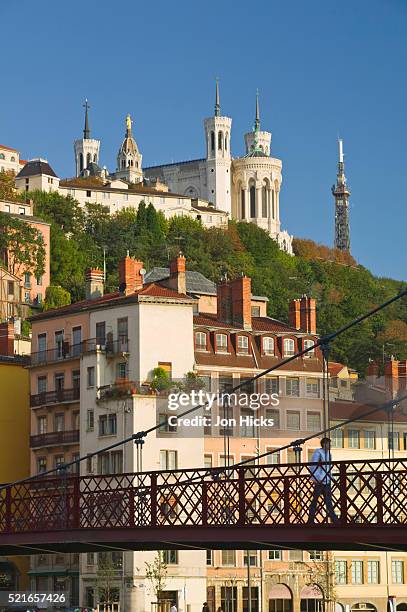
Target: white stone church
(247,188)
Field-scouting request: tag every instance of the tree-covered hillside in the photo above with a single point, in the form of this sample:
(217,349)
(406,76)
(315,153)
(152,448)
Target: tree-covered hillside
(342,288)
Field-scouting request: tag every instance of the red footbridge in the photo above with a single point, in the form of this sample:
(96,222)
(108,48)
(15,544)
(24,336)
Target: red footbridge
(246,507)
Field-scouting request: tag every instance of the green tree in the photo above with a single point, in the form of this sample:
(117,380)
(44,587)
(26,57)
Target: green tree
(156,574)
(55,297)
(8,189)
(21,246)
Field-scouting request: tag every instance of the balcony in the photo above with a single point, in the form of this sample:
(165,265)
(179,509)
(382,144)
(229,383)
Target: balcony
(122,388)
(67,351)
(55,438)
(54,397)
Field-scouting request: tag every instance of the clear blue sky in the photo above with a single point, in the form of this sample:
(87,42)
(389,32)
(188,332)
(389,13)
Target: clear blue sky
(323,68)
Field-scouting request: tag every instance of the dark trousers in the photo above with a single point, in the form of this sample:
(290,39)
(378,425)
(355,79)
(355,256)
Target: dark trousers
(324,489)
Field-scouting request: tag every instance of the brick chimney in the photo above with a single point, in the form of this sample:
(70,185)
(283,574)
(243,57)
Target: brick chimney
(308,315)
(130,279)
(373,369)
(94,283)
(294,314)
(391,374)
(7,339)
(177,280)
(234,302)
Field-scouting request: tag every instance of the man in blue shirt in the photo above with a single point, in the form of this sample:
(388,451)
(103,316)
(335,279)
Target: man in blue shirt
(322,477)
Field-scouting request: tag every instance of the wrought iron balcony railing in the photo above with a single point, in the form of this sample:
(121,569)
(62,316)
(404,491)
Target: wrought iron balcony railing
(54,397)
(54,438)
(67,351)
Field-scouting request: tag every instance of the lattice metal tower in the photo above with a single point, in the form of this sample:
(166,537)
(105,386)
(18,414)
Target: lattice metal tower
(341,194)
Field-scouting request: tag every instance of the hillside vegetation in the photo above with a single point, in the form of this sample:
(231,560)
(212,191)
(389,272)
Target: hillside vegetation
(342,288)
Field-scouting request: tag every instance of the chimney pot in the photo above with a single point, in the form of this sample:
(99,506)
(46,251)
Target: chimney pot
(94,283)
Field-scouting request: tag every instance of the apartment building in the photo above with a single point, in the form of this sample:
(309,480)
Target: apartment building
(10,160)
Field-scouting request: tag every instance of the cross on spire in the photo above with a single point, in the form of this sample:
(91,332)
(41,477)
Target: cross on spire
(257,118)
(86,131)
(217,100)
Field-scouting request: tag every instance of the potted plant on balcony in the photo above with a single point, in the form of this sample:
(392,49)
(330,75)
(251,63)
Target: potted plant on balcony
(161,380)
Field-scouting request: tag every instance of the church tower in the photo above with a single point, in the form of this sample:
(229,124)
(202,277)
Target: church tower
(86,148)
(341,194)
(218,157)
(129,157)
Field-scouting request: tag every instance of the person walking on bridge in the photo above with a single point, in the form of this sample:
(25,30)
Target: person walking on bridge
(322,477)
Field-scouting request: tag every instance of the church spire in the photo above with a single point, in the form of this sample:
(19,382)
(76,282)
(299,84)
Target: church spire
(217,100)
(86,131)
(257,119)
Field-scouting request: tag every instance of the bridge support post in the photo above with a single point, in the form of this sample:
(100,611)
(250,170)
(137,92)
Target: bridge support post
(204,503)
(379,498)
(286,498)
(76,503)
(343,494)
(241,494)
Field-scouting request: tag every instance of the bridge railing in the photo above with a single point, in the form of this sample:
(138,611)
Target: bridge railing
(363,492)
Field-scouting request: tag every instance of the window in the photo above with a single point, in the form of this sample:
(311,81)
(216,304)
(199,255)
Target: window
(123,334)
(255,311)
(275,415)
(59,381)
(289,347)
(212,141)
(221,343)
(27,296)
(357,572)
(247,428)
(165,427)
(271,385)
(27,280)
(228,598)
(42,343)
(274,555)
(397,572)
(89,465)
(208,461)
(274,458)
(268,345)
(59,344)
(76,379)
(293,420)
(353,438)
(252,558)
(373,572)
(229,557)
(243,345)
(307,344)
(2,156)
(292,387)
(295,555)
(341,572)
(168,459)
(252,196)
(313,421)
(90,420)
(394,440)
(220,138)
(209,557)
(59,461)
(101,333)
(59,422)
(110,463)
(200,341)
(88,194)
(90,558)
(41,465)
(370,439)
(91,376)
(337,438)
(42,424)
(313,386)
(107,425)
(10,289)
(316,555)
(41,384)
(121,370)
(169,557)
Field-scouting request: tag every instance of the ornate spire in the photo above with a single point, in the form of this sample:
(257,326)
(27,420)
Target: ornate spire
(86,131)
(257,119)
(341,194)
(217,101)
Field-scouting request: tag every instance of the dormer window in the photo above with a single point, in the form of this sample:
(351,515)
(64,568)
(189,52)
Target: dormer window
(243,345)
(268,345)
(289,347)
(221,343)
(307,344)
(200,341)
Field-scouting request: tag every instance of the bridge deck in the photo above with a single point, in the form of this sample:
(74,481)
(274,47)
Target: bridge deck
(265,506)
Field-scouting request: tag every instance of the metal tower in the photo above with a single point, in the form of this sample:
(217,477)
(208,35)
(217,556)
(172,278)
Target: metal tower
(341,194)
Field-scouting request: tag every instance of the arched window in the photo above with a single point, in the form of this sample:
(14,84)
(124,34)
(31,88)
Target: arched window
(200,341)
(261,147)
(123,163)
(307,344)
(136,164)
(221,343)
(2,156)
(80,162)
(268,345)
(12,158)
(212,141)
(243,203)
(289,347)
(264,202)
(95,158)
(88,159)
(226,141)
(252,193)
(220,139)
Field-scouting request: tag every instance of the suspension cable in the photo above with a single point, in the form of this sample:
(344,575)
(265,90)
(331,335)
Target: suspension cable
(323,340)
